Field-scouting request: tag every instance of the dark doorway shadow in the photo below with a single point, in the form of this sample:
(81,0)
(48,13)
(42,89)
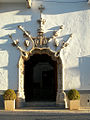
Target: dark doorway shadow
(40,78)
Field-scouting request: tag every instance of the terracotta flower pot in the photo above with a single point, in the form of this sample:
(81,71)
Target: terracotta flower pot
(74,104)
(9,105)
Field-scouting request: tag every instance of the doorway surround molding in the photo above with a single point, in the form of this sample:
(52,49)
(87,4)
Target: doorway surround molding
(60,95)
(39,45)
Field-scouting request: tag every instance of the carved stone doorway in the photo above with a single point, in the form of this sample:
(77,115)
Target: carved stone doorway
(40,78)
(55,64)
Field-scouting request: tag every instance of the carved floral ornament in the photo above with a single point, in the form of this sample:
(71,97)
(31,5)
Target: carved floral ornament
(40,42)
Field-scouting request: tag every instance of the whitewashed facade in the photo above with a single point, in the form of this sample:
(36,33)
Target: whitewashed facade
(74,15)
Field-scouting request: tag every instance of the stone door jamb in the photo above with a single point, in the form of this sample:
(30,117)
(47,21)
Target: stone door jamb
(20,93)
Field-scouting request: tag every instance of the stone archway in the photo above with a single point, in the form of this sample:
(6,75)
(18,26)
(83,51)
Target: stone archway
(20,93)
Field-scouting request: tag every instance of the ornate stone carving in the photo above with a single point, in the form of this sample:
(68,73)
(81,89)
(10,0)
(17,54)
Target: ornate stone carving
(59,72)
(40,41)
(40,46)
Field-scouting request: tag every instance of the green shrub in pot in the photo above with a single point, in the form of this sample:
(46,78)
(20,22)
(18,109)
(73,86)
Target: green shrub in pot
(74,99)
(9,99)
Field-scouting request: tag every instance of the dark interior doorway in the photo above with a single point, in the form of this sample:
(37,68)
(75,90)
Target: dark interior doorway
(40,82)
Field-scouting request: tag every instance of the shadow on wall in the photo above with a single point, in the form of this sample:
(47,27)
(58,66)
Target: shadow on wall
(11,53)
(51,7)
(9,56)
(84,67)
(83,72)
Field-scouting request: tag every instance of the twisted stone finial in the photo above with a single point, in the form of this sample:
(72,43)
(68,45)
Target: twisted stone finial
(28,3)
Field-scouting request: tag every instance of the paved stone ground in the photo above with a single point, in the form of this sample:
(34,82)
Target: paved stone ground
(45,115)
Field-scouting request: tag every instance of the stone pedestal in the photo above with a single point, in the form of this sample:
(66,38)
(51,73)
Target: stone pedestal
(20,100)
(61,99)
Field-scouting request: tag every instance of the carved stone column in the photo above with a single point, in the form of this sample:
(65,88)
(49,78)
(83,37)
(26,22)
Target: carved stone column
(61,96)
(20,93)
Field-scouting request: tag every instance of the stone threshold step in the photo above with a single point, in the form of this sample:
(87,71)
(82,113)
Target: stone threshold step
(43,108)
(40,104)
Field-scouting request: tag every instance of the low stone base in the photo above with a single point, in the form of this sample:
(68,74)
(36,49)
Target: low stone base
(20,103)
(1,102)
(85,100)
(20,99)
(61,99)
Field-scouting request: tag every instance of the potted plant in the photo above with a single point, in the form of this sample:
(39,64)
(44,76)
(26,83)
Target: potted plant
(9,99)
(74,99)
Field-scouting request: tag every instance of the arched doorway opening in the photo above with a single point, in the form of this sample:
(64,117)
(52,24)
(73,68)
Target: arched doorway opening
(58,75)
(40,78)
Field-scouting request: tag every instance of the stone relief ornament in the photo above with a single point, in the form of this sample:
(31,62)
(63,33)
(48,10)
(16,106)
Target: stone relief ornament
(40,41)
(27,43)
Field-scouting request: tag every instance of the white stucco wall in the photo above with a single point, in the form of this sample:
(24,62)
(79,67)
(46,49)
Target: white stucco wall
(76,57)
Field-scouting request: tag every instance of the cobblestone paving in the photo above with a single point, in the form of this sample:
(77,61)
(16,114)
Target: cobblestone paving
(43,116)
